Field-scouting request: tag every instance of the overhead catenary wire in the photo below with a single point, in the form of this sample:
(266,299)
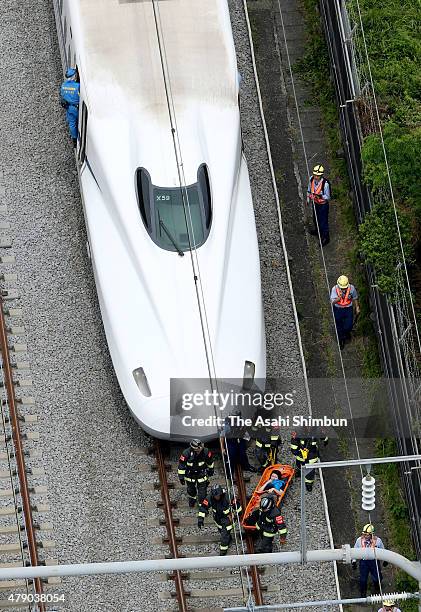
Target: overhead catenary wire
(414,441)
(318,230)
(321,250)
(229,478)
(388,173)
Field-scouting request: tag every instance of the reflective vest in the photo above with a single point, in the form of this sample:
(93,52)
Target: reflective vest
(315,192)
(344,300)
(372,544)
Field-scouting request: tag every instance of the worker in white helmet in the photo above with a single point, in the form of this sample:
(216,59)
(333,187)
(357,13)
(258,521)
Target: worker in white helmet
(389,606)
(344,297)
(318,196)
(369,566)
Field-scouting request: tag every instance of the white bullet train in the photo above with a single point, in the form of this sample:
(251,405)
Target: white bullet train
(166,195)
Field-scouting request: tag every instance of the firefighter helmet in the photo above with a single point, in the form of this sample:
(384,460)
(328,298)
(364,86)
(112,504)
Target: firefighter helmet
(389,602)
(318,170)
(196,444)
(266,503)
(216,490)
(368,528)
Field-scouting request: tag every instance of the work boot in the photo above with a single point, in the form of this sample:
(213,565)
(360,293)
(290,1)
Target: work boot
(309,487)
(222,553)
(192,502)
(376,587)
(325,242)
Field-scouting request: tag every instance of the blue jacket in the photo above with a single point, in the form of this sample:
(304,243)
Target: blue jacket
(69,92)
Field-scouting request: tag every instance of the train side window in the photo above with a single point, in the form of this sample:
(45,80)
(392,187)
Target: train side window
(204,187)
(60,6)
(83,132)
(143,191)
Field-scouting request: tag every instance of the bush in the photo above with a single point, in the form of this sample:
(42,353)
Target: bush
(393,36)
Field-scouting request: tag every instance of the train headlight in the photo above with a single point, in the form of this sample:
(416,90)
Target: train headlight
(142,382)
(248,375)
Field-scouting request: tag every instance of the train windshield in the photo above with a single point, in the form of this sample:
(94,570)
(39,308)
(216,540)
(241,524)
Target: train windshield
(171,208)
(177,219)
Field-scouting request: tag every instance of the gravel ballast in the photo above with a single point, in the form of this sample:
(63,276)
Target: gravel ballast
(89,442)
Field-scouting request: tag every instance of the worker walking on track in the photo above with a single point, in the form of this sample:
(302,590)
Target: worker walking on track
(369,566)
(318,196)
(344,297)
(69,97)
(267,445)
(269,522)
(223,510)
(194,468)
(306,452)
(389,606)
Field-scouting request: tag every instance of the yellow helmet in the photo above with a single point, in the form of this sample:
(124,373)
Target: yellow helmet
(318,170)
(369,528)
(389,602)
(343,282)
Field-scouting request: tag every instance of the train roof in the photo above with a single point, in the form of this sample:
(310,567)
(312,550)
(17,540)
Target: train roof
(196,50)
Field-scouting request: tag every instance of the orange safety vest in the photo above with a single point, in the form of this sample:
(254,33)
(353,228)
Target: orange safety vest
(316,191)
(372,543)
(344,300)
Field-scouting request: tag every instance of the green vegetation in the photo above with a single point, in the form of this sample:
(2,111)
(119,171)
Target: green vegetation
(379,242)
(396,516)
(393,36)
(378,230)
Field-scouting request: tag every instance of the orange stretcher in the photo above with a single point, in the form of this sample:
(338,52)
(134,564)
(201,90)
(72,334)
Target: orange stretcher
(287,472)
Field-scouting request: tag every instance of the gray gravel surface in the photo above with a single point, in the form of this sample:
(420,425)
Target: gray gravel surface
(89,443)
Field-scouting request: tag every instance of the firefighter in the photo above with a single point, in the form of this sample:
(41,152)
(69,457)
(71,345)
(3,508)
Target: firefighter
(222,513)
(267,444)
(194,468)
(269,522)
(69,99)
(235,448)
(343,298)
(306,451)
(318,196)
(369,566)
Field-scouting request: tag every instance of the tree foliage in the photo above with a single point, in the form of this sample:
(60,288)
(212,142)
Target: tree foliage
(379,242)
(393,36)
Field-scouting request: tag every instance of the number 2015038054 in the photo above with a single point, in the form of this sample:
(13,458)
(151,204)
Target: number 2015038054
(36,597)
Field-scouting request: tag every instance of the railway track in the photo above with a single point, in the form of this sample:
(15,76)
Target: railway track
(178,524)
(23,527)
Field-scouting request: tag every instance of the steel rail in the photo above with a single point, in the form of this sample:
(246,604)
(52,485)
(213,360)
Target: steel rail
(19,453)
(169,523)
(257,589)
